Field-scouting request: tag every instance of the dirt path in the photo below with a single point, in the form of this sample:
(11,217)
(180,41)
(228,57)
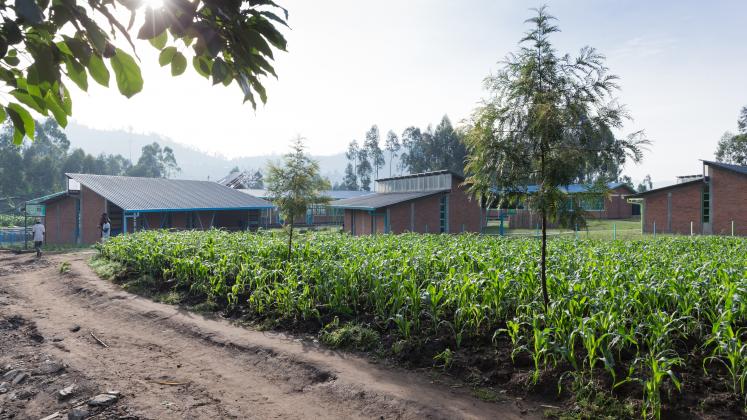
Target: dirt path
(216,370)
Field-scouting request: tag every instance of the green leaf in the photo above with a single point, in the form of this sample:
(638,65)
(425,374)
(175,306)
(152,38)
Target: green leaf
(17,136)
(98,70)
(178,64)
(77,73)
(156,22)
(13,61)
(22,120)
(127,72)
(202,65)
(166,56)
(29,11)
(55,106)
(159,41)
(220,71)
(3,114)
(32,102)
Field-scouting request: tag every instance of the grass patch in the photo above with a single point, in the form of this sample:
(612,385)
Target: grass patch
(349,336)
(105,268)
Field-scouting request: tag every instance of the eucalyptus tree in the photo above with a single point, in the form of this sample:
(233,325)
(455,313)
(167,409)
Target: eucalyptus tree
(373,150)
(391,145)
(295,185)
(46,44)
(547,116)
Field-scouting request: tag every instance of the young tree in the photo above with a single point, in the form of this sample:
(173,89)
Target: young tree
(46,44)
(294,185)
(541,125)
(256,181)
(392,146)
(373,151)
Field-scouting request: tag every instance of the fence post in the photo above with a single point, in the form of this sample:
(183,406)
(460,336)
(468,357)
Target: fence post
(691,228)
(614,231)
(654,229)
(576,231)
(732,228)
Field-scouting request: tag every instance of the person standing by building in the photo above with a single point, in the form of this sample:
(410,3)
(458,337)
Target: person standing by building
(38,233)
(105,225)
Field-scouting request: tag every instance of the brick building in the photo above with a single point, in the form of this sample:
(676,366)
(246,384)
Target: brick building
(73,216)
(614,206)
(712,203)
(431,202)
(316,214)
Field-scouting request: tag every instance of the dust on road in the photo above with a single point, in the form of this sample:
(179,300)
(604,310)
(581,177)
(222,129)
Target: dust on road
(162,362)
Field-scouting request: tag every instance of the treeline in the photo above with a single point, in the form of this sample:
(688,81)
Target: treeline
(36,168)
(415,150)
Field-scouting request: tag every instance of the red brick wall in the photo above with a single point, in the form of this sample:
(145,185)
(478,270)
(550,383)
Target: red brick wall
(399,217)
(427,217)
(362,221)
(685,207)
(92,206)
(616,206)
(728,201)
(59,223)
(463,212)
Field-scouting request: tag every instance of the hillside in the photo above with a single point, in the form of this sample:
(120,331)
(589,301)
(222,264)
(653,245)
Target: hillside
(195,164)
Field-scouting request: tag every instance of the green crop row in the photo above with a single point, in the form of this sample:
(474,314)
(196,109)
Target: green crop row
(636,311)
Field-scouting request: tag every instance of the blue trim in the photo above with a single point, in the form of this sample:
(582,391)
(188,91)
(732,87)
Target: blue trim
(197,209)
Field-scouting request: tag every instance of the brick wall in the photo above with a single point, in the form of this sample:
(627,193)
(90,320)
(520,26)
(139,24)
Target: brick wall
(92,206)
(464,214)
(399,217)
(617,206)
(59,223)
(685,207)
(728,201)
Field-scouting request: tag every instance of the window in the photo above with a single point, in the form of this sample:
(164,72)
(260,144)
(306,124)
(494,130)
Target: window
(706,213)
(444,213)
(592,203)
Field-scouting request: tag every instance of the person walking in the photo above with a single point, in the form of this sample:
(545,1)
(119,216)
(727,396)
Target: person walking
(105,225)
(38,233)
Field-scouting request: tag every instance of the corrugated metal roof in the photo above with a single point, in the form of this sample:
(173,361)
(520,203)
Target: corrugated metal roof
(46,198)
(378,200)
(333,194)
(154,194)
(668,187)
(736,168)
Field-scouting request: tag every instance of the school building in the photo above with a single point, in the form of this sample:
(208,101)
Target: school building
(714,202)
(133,203)
(431,202)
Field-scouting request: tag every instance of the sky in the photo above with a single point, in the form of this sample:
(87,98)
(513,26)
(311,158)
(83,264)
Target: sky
(352,64)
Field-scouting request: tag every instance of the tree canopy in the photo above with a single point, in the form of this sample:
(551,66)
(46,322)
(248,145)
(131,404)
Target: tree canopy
(46,44)
(547,119)
(732,148)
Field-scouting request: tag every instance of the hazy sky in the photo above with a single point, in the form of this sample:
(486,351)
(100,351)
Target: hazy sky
(351,64)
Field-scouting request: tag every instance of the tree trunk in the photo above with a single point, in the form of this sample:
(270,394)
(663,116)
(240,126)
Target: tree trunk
(290,240)
(543,262)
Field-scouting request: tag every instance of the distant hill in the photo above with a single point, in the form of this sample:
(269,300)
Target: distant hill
(195,164)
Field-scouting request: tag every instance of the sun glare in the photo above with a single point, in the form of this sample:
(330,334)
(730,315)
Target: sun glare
(154,4)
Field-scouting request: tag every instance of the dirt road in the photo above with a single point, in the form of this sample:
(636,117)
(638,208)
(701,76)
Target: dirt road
(169,363)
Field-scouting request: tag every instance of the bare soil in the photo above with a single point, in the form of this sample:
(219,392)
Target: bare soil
(169,363)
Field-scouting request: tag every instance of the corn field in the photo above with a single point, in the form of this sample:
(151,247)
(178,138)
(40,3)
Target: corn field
(636,312)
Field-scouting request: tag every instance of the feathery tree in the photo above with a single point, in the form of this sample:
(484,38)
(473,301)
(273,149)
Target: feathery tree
(546,118)
(45,44)
(294,185)
(391,144)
